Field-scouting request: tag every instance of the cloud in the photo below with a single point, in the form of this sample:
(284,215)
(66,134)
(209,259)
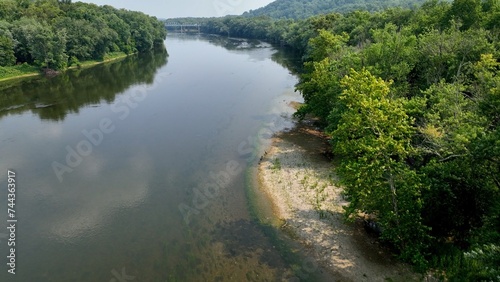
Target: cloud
(86,207)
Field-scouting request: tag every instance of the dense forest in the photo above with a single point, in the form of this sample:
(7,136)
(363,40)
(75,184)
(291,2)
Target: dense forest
(55,34)
(410,99)
(301,9)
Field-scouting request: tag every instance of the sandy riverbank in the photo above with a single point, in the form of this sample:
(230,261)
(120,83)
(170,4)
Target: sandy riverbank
(300,183)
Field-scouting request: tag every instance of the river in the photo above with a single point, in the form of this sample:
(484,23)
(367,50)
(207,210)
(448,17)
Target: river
(138,170)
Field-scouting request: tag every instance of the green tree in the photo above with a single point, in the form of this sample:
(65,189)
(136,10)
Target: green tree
(23,32)
(8,10)
(7,57)
(443,54)
(43,10)
(372,142)
(429,16)
(320,85)
(467,12)
(392,55)
(48,47)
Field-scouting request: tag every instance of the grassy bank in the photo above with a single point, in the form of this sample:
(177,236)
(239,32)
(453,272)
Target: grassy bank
(107,58)
(18,71)
(25,70)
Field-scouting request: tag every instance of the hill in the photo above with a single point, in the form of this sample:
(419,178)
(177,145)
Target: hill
(301,9)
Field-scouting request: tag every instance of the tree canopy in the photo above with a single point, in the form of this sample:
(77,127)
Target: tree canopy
(53,34)
(301,9)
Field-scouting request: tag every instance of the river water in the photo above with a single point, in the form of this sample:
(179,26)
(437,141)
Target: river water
(137,170)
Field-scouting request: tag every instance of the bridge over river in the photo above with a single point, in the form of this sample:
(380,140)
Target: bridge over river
(183,27)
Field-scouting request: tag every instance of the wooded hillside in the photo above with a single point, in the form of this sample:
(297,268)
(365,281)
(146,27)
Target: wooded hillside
(54,34)
(301,9)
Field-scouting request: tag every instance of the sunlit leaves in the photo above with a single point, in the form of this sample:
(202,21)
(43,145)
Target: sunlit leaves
(372,141)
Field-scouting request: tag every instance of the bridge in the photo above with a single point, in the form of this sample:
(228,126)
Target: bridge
(183,27)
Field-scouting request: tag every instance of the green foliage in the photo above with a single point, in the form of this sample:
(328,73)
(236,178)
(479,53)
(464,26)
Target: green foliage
(481,263)
(467,12)
(443,54)
(6,51)
(373,141)
(8,10)
(17,70)
(47,33)
(47,47)
(392,55)
(332,59)
(7,57)
(300,9)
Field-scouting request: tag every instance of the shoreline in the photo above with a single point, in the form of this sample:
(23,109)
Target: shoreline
(83,65)
(21,76)
(298,181)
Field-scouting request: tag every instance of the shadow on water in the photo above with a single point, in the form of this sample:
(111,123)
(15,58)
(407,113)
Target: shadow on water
(289,59)
(55,98)
(286,57)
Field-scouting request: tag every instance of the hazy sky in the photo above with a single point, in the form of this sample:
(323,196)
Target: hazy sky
(185,8)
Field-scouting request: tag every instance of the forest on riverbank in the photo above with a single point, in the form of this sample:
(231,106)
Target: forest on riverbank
(52,34)
(410,99)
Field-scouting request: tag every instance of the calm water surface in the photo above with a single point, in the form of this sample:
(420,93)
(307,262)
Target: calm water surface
(135,170)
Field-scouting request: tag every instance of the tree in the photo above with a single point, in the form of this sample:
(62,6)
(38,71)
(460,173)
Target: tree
(7,57)
(467,12)
(49,32)
(48,47)
(443,54)
(392,55)
(8,10)
(81,36)
(320,85)
(372,142)
(44,10)
(23,31)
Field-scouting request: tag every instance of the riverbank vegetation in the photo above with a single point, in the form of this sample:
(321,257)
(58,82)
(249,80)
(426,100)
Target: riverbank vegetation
(51,34)
(411,102)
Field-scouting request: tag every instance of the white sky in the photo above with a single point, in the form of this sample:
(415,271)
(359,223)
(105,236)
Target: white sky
(185,8)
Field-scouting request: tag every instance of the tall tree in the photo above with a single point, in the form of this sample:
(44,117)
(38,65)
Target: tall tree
(372,142)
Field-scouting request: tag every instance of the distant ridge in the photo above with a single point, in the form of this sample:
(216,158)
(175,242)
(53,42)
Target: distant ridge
(300,9)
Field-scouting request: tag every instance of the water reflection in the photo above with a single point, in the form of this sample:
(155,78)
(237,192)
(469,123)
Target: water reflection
(54,98)
(289,59)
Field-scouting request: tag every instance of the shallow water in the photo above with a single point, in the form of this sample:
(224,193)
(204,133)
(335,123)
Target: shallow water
(135,170)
